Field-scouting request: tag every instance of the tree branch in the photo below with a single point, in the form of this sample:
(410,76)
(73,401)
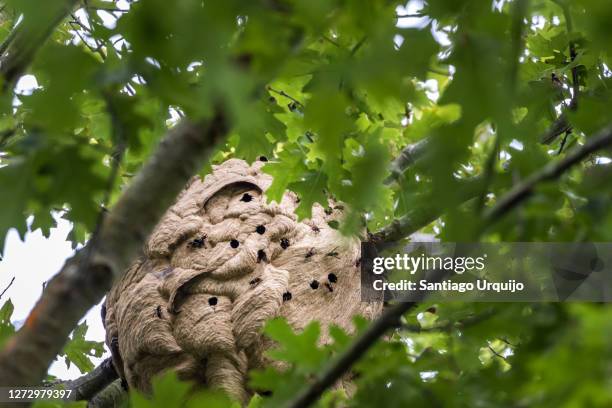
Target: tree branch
(415,151)
(86,277)
(390,318)
(418,218)
(7,287)
(90,384)
(407,157)
(551,171)
(110,397)
(285,94)
(25,39)
(9,39)
(415,15)
(495,353)
(558,127)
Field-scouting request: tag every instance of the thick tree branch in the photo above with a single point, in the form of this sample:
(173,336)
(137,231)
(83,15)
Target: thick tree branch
(390,318)
(421,216)
(25,39)
(8,40)
(86,277)
(415,151)
(551,171)
(87,386)
(110,397)
(417,218)
(407,157)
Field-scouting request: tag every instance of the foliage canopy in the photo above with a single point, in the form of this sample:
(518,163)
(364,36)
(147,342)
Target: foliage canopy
(330,92)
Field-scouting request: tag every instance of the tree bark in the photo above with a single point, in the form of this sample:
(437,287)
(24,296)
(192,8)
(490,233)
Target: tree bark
(86,277)
(420,217)
(26,38)
(90,384)
(110,397)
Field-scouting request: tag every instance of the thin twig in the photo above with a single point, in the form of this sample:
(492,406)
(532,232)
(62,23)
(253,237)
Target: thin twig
(98,49)
(505,340)
(415,15)
(7,287)
(551,171)
(286,95)
(359,44)
(418,218)
(120,144)
(496,353)
(331,41)
(95,50)
(563,143)
(109,10)
(116,158)
(558,127)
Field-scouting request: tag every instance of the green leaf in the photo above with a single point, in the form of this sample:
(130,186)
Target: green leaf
(6,326)
(310,189)
(288,168)
(169,391)
(13,211)
(78,350)
(300,349)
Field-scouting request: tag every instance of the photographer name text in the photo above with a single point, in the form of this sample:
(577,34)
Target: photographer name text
(483,285)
